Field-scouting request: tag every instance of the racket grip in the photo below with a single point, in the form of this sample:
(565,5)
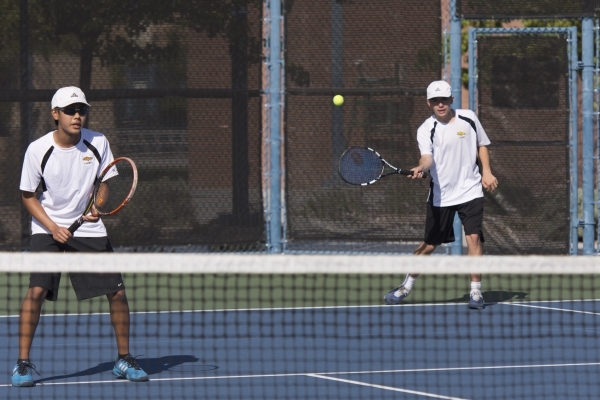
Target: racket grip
(75,225)
(410,173)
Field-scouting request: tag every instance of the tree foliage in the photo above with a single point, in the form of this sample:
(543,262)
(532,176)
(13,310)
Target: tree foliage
(120,31)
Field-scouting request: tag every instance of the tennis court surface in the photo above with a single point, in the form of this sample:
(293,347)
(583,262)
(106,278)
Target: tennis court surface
(314,327)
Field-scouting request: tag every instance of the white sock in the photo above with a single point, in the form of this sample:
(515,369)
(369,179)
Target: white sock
(409,282)
(476,286)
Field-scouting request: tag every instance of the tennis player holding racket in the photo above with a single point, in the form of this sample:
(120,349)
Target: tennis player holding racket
(65,163)
(452,143)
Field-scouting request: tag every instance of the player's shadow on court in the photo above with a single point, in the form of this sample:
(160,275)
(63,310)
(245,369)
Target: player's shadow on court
(493,297)
(152,366)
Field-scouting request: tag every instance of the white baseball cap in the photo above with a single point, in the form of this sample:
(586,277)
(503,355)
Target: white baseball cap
(438,89)
(68,95)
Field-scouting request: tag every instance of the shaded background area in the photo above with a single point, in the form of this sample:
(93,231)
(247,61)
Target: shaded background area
(523,104)
(174,86)
(381,62)
(178,87)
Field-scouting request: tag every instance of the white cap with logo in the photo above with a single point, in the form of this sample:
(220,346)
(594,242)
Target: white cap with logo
(438,89)
(68,95)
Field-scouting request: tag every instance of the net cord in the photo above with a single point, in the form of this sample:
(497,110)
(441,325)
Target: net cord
(293,264)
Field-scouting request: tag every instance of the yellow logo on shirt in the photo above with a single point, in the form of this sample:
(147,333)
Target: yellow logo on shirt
(461,134)
(87,159)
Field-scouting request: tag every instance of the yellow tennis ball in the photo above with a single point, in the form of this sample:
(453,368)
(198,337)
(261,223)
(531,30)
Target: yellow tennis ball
(338,100)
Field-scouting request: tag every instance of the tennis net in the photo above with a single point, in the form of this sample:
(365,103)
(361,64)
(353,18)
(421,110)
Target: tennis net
(312,327)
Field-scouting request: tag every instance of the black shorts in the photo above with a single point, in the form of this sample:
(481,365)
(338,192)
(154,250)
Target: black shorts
(86,285)
(439,224)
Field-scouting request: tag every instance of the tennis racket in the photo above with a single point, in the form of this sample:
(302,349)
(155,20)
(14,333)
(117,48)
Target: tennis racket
(112,191)
(364,166)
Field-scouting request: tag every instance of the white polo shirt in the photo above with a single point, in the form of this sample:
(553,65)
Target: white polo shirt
(455,173)
(69,175)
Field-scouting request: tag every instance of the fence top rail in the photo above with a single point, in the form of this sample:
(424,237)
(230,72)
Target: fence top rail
(522,31)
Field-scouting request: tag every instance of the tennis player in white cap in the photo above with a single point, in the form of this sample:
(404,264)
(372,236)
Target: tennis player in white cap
(453,147)
(65,163)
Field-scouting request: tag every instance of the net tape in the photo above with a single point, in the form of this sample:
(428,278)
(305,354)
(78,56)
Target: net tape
(293,264)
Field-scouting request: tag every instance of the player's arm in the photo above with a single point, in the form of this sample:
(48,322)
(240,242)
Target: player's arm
(488,180)
(34,207)
(425,162)
(425,149)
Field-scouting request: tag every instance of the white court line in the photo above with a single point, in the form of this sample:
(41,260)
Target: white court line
(305,308)
(460,368)
(393,389)
(197,378)
(72,383)
(551,308)
(560,301)
(253,309)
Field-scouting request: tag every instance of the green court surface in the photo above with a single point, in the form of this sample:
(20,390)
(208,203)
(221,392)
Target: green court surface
(158,292)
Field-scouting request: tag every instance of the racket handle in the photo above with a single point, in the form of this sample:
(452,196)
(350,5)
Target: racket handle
(75,225)
(410,173)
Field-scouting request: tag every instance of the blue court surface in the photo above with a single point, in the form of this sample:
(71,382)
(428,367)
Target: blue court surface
(533,350)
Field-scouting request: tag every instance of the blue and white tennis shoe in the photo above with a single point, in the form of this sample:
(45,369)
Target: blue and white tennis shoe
(128,368)
(476,300)
(21,374)
(396,296)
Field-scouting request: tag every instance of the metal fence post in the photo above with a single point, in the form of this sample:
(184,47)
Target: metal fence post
(587,108)
(274,66)
(456,83)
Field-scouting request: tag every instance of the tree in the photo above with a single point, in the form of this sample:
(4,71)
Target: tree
(115,31)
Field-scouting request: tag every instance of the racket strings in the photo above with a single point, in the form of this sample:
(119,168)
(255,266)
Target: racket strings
(360,165)
(114,190)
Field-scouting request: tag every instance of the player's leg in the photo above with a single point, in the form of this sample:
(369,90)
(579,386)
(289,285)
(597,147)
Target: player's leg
(111,285)
(403,290)
(424,249)
(119,317)
(438,230)
(471,215)
(29,317)
(126,365)
(42,286)
(474,244)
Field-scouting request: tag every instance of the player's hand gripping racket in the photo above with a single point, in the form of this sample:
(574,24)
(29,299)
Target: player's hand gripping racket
(364,166)
(113,190)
